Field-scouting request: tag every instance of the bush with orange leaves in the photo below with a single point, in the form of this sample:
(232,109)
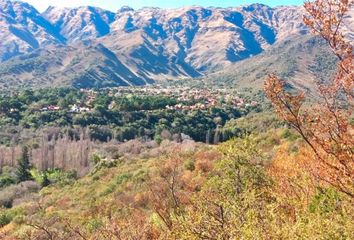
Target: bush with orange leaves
(290,173)
(325,125)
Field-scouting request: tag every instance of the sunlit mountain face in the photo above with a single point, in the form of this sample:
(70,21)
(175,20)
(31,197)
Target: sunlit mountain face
(89,46)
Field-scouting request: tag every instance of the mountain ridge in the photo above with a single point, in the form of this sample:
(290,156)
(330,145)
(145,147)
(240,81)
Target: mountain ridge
(149,44)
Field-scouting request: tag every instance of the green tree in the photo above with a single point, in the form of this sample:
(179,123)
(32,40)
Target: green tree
(24,166)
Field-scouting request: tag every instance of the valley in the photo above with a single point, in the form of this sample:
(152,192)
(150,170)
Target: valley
(181,123)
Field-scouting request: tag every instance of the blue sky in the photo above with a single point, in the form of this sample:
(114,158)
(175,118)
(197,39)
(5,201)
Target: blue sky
(113,5)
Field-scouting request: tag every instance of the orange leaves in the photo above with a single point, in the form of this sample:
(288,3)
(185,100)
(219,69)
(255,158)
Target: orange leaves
(292,173)
(325,126)
(286,105)
(326,18)
(133,226)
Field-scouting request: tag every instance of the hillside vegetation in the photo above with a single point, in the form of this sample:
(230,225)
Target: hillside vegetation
(192,192)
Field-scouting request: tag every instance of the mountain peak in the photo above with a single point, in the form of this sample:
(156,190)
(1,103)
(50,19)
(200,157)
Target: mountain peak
(81,23)
(256,7)
(24,29)
(125,9)
(9,5)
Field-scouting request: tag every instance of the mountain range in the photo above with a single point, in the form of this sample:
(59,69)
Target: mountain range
(93,47)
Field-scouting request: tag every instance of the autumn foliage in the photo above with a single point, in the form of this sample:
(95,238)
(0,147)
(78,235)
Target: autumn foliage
(324,124)
(272,184)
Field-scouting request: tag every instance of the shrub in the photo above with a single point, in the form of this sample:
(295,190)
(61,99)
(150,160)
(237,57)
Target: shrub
(158,139)
(7,177)
(287,134)
(5,218)
(36,175)
(61,177)
(103,165)
(96,178)
(123,178)
(204,165)
(189,165)
(45,181)
(325,201)
(94,224)
(6,180)
(13,192)
(110,189)
(96,158)
(140,176)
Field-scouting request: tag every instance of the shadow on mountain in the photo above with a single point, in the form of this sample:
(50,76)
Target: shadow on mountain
(101,26)
(155,30)
(25,35)
(106,70)
(267,33)
(235,18)
(251,45)
(129,25)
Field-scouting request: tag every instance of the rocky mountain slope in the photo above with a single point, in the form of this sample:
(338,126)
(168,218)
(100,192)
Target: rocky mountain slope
(300,61)
(89,46)
(80,24)
(23,29)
